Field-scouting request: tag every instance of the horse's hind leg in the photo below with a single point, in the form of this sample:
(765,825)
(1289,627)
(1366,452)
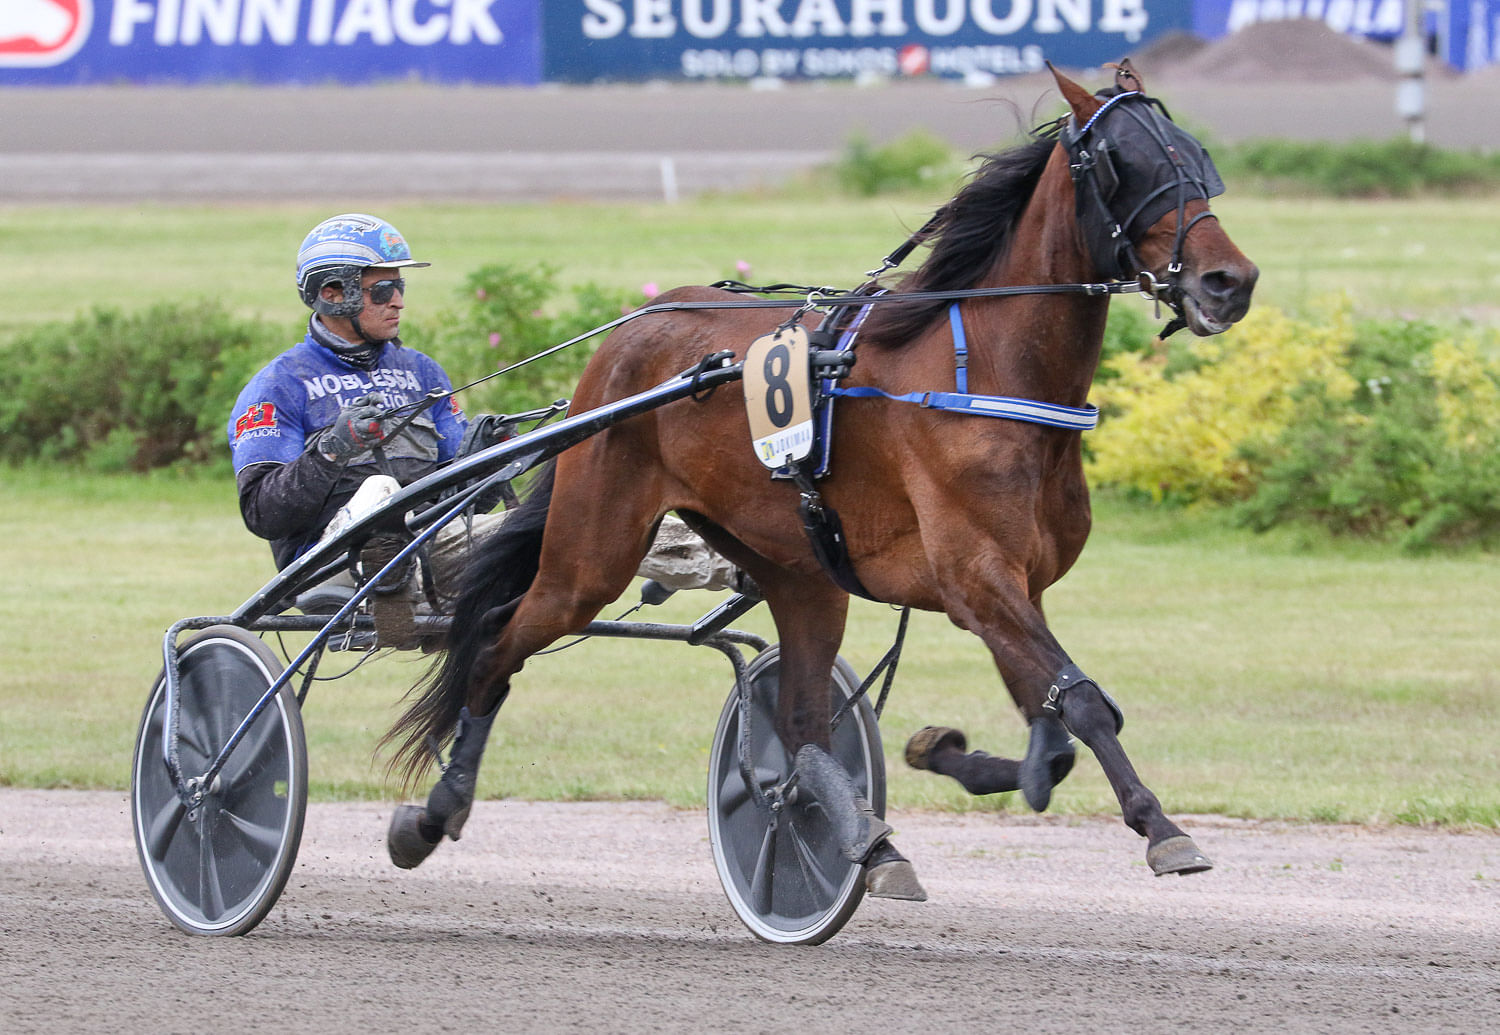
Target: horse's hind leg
(810,617)
(416,830)
(582,570)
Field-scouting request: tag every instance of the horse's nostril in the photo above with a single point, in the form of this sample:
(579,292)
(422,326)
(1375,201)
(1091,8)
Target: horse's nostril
(1220,283)
(1226,283)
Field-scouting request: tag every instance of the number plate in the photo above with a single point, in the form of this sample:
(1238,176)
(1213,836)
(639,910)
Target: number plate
(778,397)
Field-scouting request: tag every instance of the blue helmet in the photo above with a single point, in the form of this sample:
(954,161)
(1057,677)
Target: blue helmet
(339,250)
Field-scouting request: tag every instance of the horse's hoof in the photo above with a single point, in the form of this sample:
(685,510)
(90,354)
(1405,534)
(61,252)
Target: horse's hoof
(1177,855)
(928,739)
(895,879)
(411,839)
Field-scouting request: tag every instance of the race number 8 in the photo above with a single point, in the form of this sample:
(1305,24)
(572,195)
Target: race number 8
(778,396)
(778,388)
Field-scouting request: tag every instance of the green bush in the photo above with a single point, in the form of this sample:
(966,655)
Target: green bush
(116,392)
(1353,169)
(1358,169)
(1383,429)
(916,161)
(1131,328)
(1175,428)
(128,392)
(1413,456)
(508,314)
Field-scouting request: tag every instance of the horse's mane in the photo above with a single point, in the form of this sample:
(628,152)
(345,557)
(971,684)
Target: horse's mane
(971,232)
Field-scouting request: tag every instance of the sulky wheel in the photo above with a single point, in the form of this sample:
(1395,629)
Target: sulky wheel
(783,871)
(220,868)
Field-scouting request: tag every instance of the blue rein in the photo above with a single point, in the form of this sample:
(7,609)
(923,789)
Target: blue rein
(1052,415)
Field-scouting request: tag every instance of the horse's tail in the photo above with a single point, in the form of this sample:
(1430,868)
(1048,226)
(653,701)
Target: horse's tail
(499,570)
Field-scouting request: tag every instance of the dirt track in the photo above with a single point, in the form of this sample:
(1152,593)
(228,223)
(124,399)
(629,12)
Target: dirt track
(608,917)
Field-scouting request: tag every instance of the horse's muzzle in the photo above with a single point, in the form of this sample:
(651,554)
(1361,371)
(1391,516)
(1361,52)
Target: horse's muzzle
(1216,299)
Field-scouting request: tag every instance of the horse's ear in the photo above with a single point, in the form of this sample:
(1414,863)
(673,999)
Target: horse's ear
(1127,79)
(1083,103)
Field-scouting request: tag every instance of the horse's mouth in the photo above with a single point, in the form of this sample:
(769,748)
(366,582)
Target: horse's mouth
(1204,322)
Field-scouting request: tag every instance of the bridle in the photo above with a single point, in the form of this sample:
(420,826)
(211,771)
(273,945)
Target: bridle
(1142,127)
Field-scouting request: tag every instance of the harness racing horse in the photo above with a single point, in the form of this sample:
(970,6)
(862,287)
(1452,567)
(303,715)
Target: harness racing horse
(946,511)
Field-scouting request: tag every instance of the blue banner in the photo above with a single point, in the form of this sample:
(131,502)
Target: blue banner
(1377,19)
(601,40)
(1463,32)
(1471,36)
(270,41)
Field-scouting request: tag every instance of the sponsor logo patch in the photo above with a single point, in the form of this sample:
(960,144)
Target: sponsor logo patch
(258,417)
(39,33)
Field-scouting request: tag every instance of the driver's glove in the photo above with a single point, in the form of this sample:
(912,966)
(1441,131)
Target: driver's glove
(359,428)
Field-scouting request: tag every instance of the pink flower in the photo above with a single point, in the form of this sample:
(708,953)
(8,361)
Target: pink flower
(494,339)
(649,289)
(742,267)
(481,294)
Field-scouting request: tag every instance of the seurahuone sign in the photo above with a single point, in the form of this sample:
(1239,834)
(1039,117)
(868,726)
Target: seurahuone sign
(593,40)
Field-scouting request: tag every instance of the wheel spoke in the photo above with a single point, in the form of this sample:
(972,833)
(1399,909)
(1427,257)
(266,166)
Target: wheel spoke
(252,749)
(733,794)
(813,870)
(261,840)
(210,889)
(192,732)
(762,881)
(217,675)
(163,827)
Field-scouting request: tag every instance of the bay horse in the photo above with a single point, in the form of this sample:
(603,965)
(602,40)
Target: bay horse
(968,515)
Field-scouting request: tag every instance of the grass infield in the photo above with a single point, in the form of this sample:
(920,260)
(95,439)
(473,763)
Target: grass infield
(1261,676)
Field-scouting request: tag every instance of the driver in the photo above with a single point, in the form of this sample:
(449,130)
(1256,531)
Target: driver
(308,431)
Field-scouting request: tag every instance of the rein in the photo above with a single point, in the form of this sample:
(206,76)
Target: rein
(809,298)
(1083,166)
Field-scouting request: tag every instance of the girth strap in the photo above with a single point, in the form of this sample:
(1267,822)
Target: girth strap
(825,533)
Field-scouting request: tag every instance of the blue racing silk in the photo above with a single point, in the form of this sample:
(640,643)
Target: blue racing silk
(301,391)
(288,491)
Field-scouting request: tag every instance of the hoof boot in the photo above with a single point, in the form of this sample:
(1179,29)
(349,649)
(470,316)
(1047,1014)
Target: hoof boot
(1049,758)
(411,839)
(896,879)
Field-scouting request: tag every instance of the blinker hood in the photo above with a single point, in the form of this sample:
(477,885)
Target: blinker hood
(1131,164)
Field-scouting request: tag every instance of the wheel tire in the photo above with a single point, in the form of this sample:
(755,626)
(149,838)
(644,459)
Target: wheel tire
(220,870)
(787,880)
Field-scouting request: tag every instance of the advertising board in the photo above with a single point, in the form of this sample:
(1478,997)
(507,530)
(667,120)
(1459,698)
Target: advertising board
(1461,32)
(600,40)
(269,41)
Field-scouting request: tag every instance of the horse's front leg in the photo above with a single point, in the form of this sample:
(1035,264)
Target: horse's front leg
(1094,718)
(1058,700)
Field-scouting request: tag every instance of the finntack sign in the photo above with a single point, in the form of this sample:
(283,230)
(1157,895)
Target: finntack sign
(747,39)
(269,41)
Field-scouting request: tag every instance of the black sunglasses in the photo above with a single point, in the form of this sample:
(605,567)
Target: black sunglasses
(381,291)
